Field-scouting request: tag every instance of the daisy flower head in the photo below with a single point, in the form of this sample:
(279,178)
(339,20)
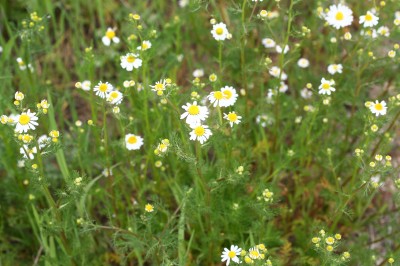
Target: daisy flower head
(115,97)
(233,118)
(159,87)
(230,96)
(85,85)
(162,148)
(220,32)
(198,73)
(28,153)
(110,37)
(130,61)
(133,142)
(26,121)
(283,87)
(19,96)
(339,16)
(303,63)
(369,19)
(378,108)
(383,31)
(268,43)
(194,113)
(146,45)
(306,93)
(280,50)
(276,72)
(231,254)
(200,133)
(149,207)
(335,68)
(216,98)
(43,140)
(102,89)
(254,253)
(326,86)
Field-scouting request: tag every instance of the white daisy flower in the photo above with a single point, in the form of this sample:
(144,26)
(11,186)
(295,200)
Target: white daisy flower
(230,96)
(335,68)
(109,37)
(378,108)
(231,254)
(107,172)
(280,50)
(306,93)
(220,32)
(233,118)
(129,83)
(22,65)
(283,87)
(28,153)
(339,16)
(268,43)
(194,113)
(183,3)
(102,89)
(254,253)
(146,45)
(115,97)
(383,31)
(133,142)
(276,72)
(200,133)
(303,63)
(326,86)
(130,61)
(216,98)
(4,119)
(26,121)
(198,73)
(19,96)
(85,85)
(43,140)
(369,19)
(159,87)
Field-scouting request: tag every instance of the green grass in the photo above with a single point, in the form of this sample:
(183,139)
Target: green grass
(61,209)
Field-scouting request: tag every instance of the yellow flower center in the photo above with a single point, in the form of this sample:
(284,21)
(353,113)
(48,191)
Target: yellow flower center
(159,86)
(130,58)
(378,107)
(231,254)
(330,240)
(232,117)
(199,131)
(110,34)
(149,208)
(254,253)
(194,110)
(145,46)
(113,95)
(368,17)
(103,87)
(227,94)
(218,95)
(326,86)
(132,140)
(24,119)
(26,138)
(219,31)
(339,16)
(162,146)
